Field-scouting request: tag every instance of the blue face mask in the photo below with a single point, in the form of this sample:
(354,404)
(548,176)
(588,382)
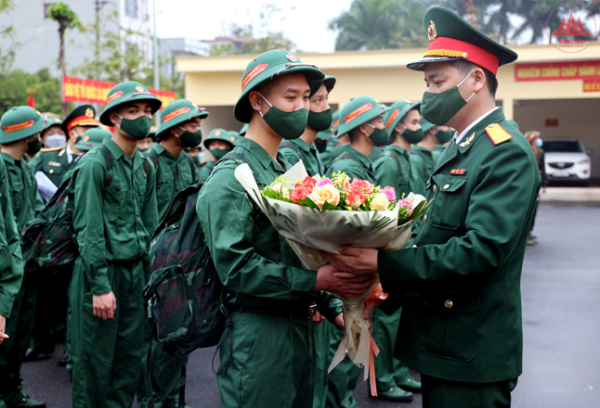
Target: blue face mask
(540,143)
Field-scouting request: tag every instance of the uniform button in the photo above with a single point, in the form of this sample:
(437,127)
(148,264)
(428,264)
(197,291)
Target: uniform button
(447,186)
(425,218)
(51,171)
(414,246)
(434,188)
(448,303)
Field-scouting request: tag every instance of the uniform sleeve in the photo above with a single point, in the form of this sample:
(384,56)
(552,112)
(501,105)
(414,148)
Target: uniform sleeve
(290,155)
(88,221)
(11,263)
(417,169)
(386,172)
(499,207)
(328,305)
(226,216)
(150,206)
(204,173)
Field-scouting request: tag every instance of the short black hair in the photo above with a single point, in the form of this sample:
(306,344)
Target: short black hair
(464,67)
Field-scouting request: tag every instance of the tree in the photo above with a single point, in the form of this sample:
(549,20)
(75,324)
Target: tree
(66,19)
(6,31)
(16,86)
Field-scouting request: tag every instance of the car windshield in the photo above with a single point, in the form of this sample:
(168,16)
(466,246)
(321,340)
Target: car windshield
(563,146)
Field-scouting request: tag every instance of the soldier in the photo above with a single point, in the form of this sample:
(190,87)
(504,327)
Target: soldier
(533,137)
(52,135)
(362,120)
(459,285)
(421,159)
(333,142)
(444,136)
(145,144)
(218,143)
(20,128)
(268,358)
(114,216)
(319,119)
(196,154)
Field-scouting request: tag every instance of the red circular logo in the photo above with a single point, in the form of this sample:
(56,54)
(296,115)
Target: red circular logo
(571,27)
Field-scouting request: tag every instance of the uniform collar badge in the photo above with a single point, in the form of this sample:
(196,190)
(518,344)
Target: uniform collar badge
(468,140)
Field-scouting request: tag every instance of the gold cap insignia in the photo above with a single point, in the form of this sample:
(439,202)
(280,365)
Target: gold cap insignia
(291,57)
(86,138)
(139,89)
(431,31)
(89,113)
(218,133)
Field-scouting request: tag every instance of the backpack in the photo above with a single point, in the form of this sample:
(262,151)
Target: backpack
(49,241)
(151,154)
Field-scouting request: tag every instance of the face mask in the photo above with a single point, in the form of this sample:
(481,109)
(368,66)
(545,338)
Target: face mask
(540,143)
(444,136)
(321,147)
(319,120)
(55,141)
(412,136)
(196,160)
(289,125)
(219,153)
(440,108)
(136,128)
(34,146)
(190,139)
(379,137)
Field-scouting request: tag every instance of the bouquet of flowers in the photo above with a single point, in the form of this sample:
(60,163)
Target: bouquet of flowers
(317,214)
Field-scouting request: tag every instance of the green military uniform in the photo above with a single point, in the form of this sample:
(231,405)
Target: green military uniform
(268,359)
(443,137)
(331,152)
(17,124)
(421,162)
(215,134)
(114,223)
(295,150)
(437,152)
(459,286)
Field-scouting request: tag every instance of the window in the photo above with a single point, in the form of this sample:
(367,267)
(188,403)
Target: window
(567,146)
(131,8)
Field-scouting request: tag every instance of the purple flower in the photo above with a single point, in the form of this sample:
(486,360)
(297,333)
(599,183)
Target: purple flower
(323,182)
(389,193)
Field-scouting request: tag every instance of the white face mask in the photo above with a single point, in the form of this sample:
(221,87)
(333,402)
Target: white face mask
(55,141)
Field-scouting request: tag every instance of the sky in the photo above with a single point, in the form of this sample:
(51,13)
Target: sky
(204,20)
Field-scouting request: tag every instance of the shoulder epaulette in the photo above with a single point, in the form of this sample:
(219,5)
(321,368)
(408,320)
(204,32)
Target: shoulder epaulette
(50,149)
(497,134)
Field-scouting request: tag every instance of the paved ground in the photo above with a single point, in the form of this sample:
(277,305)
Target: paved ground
(561,318)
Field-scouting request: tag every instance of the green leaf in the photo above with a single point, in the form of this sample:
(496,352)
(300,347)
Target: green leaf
(307,202)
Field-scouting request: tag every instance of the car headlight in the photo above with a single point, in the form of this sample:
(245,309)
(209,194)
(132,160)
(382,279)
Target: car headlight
(585,161)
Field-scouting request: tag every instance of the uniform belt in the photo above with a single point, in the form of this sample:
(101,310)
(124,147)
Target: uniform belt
(299,312)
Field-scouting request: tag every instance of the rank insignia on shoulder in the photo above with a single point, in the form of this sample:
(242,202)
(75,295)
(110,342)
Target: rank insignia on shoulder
(457,171)
(497,134)
(54,164)
(50,149)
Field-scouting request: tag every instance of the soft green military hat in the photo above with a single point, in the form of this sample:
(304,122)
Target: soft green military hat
(451,38)
(336,122)
(219,134)
(426,125)
(92,138)
(176,113)
(358,111)
(51,122)
(243,130)
(329,82)
(127,92)
(83,115)
(19,123)
(235,135)
(267,66)
(396,112)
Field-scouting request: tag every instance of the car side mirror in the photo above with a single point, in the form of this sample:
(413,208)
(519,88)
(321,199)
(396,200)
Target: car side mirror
(589,152)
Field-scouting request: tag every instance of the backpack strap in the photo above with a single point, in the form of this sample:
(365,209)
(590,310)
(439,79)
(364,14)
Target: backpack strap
(192,169)
(344,156)
(290,145)
(154,159)
(109,160)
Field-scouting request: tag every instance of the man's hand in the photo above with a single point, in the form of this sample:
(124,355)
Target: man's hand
(104,306)
(339,322)
(2,329)
(318,318)
(354,261)
(349,286)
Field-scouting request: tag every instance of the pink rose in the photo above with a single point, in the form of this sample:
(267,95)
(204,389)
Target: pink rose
(389,193)
(362,185)
(324,181)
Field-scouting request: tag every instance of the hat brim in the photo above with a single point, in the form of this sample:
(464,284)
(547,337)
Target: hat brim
(210,139)
(155,104)
(178,121)
(86,146)
(243,109)
(414,105)
(420,65)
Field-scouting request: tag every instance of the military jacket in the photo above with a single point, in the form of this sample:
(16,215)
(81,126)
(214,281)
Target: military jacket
(437,152)
(354,164)
(421,167)
(393,169)
(11,263)
(205,170)
(375,153)
(114,214)
(460,285)
(295,150)
(54,163)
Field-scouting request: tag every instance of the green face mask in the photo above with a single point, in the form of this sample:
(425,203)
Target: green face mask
(444,136)
(190,139)
(289,125)
(440,108)
(219,153)
(321,146)
(137,128)
(379,137)
(319,120)
(412,136)
(34,146)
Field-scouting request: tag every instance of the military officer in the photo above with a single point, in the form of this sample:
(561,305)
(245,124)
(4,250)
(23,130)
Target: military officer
(444,135)
(113,222)
(362,120)
(459,285)
(319,118)
(218,143)
(421,159)
(52,135)
(20,129)
(268,359)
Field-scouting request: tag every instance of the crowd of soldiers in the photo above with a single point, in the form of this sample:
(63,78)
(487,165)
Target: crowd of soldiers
(453,311)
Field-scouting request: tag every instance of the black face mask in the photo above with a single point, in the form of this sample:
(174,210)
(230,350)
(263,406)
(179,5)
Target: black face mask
(34,146)
(321,146)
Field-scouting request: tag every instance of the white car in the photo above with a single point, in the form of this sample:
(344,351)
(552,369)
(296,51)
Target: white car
(567,160)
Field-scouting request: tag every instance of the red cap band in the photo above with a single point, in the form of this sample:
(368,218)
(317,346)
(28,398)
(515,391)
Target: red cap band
(80,120)
(445,46)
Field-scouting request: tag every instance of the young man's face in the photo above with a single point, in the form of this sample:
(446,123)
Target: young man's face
(288,93)
(412,121)
(131,111)
(318,102)
(145,144)
(52,130)
(77,131)
(193,125)
(218,144)
(377,122)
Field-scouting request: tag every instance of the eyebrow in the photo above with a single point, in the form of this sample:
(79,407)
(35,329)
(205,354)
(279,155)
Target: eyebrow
(433,75)
(295,90)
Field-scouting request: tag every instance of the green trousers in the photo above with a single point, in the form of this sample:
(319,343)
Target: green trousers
(439,393)
(107,354)
(50,322)
(323,359)
(18,327)
(389,371)
(343,378)
(267,361)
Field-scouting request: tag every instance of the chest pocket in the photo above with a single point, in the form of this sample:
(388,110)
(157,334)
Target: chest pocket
(53,171)
(447,207)
(116,202)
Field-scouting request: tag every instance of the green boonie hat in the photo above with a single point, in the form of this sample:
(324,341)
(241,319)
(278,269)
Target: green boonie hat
(329,82)
(19,123)
(127,92)
(396,112)
(451,38)
(426,125)
(51,122)
(176,113)
(266,67)
(235,135)
(219,134)
(336,122)
(358,111)
(83,115)
(92,138)
(243,130)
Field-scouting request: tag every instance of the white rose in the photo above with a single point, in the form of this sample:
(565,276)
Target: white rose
(380,203)
(325,193)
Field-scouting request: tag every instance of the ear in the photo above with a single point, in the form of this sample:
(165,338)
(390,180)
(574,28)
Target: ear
(399,129)
(256,101)
(479,79)
(114,118)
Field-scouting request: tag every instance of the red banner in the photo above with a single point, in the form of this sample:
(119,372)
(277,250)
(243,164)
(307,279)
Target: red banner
(557,71)
(92,91)
(591,85)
